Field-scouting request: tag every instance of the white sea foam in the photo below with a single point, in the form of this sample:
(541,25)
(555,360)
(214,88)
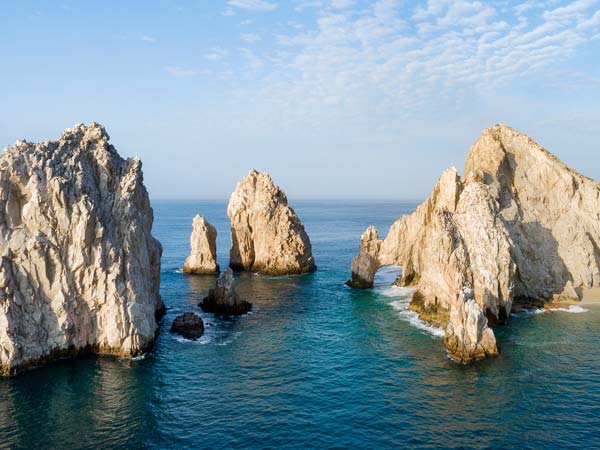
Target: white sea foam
(139,358)
(205,339)
(413,318)
(574,309)
(396,291)
(402,298)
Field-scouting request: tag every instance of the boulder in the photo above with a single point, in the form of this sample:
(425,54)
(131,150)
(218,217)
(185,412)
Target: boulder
(267,235)
(188,325)
(203,243)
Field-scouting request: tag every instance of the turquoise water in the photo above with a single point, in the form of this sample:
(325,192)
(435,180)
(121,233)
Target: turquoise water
(316,365)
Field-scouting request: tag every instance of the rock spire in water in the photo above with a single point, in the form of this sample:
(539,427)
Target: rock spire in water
(223,300)
(203,243)
(79,268)
(520,227)
(267,236)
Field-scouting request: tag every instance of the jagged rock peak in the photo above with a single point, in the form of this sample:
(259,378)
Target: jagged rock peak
(203,243)
(79,268)
(267,235)
(521,227)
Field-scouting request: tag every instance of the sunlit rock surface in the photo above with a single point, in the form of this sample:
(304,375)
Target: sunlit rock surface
(203,243)
(267,235)
(79,268)
(520,226)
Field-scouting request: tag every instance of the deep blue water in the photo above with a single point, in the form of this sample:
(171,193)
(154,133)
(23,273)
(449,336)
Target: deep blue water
(316,365)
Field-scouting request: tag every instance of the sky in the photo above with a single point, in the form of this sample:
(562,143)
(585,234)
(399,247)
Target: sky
(337,99)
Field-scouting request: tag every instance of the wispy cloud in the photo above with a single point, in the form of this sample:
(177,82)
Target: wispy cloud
(149,39)
(308,4)
(216,54)
(250,37)
(255,5)
(394,58)
(341,4)
(182,72)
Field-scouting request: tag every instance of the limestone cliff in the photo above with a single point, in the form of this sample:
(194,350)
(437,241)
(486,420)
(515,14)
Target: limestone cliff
(79,268)
(203,243)
(551,211)
(267,235)
(521,226)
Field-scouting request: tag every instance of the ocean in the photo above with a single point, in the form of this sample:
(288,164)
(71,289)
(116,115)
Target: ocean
(314,365)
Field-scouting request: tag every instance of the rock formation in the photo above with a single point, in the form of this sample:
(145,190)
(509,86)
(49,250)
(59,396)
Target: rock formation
(267,236)
(223,300)
(189,325)
(203,243)
(79,268)
(519,227)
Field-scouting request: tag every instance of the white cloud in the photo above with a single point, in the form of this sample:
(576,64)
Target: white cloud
(255,5)
(571,11)
(251,38)
(216,54)
(182,72)
(392,58)
(341,4)
(308,4)
(149,39)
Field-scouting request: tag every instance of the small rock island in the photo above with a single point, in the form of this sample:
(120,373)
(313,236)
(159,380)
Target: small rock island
(519,229)
(189,325)
(203,243)
(79,268)
(223,300)
(267,235)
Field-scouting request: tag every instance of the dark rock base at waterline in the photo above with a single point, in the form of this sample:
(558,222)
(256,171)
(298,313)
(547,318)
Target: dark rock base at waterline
(219,309)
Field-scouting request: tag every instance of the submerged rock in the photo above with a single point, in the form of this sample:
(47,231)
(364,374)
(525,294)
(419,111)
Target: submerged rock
(189,325)
(519,227)
(79,268)
(223,300)
(267,236)
(203,243)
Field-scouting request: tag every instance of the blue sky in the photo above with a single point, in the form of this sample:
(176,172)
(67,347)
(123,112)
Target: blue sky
(336,98)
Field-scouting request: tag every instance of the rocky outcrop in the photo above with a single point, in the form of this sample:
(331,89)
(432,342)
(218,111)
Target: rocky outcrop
(223,300)
(520,226)
(468,336)
(366,263)
(203,243)
(189,325)
(267,236)
(79,268)
(552,214)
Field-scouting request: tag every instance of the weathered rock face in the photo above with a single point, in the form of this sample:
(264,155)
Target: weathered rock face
(468,336)
(203,243)
(551,212)
(189,325)
(366,263)
(267,236)
(223,300)
(520,226)
(79,268)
